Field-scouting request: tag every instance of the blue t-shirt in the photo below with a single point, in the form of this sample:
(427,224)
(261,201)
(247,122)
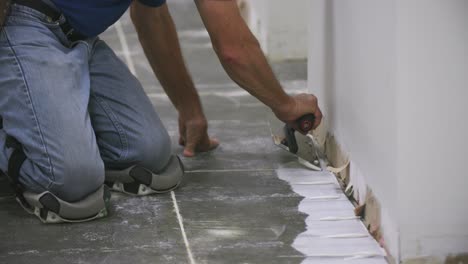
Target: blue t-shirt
(92,17)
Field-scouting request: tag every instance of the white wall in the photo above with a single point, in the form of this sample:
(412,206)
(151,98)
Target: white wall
(352,70)
(433,131)
(280,27)
(392,78)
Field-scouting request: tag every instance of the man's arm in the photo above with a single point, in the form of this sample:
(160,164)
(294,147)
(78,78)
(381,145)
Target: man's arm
(242,58)
(158,37)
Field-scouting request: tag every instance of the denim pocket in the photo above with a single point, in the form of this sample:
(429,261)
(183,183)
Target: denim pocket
(26,15)
(18,19)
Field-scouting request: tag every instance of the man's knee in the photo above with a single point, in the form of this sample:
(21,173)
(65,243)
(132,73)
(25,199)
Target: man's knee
(69,177)
(153,151)
(71,190)
(153,170)
(78,178)
(78,196)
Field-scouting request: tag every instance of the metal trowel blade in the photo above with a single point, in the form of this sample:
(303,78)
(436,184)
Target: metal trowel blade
(307,154)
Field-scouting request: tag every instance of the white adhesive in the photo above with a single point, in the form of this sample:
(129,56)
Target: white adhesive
(357,235)
(227,171)
(334,218)
(327,197)
(332,230)
(315,183)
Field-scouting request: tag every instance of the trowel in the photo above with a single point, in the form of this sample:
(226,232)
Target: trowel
(289,142)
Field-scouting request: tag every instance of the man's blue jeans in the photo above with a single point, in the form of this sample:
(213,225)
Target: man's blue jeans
(74,107)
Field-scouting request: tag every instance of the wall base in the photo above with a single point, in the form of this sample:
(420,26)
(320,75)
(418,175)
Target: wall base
(367,205)
(458,259)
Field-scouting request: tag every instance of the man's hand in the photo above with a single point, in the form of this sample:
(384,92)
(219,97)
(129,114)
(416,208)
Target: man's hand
(194,137)
(158,36)
(298,106)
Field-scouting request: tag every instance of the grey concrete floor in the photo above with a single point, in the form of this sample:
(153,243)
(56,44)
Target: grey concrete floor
(233,207)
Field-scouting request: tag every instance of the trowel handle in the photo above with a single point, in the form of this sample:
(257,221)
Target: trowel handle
(306,123)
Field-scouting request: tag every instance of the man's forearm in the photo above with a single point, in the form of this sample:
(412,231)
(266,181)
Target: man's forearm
(240,53)
(158,36)
(252,72)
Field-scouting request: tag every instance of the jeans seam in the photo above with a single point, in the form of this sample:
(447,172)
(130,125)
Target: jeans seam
(114,120)
(32,108)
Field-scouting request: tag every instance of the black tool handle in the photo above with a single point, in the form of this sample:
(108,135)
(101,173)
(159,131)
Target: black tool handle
(306,123)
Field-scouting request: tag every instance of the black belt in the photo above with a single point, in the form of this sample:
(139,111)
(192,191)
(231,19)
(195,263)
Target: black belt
(45,9)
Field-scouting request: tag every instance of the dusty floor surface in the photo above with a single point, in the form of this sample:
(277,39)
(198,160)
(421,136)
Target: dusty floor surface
(234,208)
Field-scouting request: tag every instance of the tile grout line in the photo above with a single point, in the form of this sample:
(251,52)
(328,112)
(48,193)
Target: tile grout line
(125,49)
(131,66)
(4,198)
(182,229)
